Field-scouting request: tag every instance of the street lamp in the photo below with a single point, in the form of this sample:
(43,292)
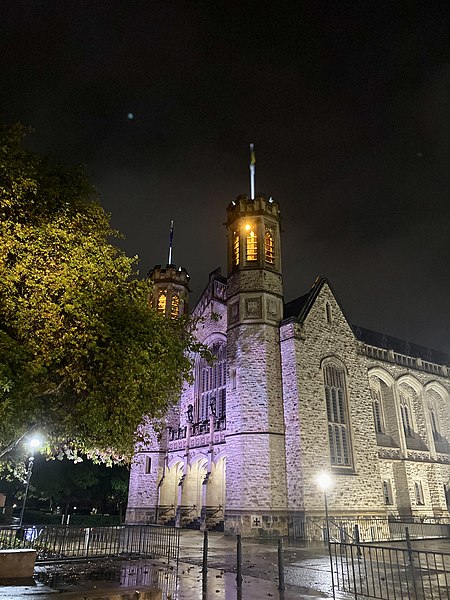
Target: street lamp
(324,481)
(33,444)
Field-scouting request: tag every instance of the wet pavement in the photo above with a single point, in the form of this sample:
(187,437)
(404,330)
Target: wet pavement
(307,574)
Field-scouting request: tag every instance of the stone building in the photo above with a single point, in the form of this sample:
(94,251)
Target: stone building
(295,389)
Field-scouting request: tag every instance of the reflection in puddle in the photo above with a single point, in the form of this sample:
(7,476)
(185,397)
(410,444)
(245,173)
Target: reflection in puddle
(68,577)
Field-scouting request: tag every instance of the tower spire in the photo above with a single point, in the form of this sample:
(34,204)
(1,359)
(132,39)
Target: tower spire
(252,171)
(169,261)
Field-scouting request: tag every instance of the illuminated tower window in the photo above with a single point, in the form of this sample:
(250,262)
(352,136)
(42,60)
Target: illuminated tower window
(235,248)
(175,306)
(162,299)
(252,244)
(268,246)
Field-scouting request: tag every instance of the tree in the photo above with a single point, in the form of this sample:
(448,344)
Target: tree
(82,353)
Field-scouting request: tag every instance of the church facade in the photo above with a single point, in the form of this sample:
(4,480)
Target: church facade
(295,389)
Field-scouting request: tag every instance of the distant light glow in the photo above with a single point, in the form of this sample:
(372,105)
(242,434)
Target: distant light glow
(324,480)
(34,443)
(130,116)
(247,227)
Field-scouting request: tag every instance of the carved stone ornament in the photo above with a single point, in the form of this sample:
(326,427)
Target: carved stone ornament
(253,308)
(233,312)
(272,308)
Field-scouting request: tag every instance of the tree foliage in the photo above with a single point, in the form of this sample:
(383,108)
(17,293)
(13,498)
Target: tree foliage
(81,351)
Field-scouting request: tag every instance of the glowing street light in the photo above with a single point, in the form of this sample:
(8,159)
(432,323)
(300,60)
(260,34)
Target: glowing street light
(324,481)
(33,444)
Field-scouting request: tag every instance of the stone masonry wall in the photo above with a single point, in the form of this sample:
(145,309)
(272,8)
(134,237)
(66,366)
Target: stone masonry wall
(356,490)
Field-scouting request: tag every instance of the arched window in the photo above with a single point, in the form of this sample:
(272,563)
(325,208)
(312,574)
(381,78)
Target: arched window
(328,312)
(162,299)
(337,413)
(268,246)
(252,244)
(235,248)
(212,384)
(377,404)
(433,420)
(434,400)
(405,411)
(175,306)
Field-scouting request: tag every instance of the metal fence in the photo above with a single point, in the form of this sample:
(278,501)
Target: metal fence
(389,573)
(64,542)
(369,529)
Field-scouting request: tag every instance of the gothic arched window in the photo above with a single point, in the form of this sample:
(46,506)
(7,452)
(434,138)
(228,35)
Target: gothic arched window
(162,300)
(337,414)
(269,247)
(434,400)
(252,244)
(212,383)
(175,306)
(377,404)
(236,242)
(405,411)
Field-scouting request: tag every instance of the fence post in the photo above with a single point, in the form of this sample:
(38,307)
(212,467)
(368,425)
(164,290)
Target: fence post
(239,563)
(411,560)
(281,585)
(87,538)
(357,541)
(205,561)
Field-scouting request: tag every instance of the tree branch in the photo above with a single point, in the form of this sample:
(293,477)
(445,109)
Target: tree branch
(14,443)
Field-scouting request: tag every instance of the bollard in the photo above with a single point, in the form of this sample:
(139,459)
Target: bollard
(239,562)
(205,560)
(281,585)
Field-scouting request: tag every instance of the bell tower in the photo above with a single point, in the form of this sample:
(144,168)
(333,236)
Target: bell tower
(256,469)
(170,290)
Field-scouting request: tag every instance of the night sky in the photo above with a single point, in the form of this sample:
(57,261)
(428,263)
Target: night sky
(348,104)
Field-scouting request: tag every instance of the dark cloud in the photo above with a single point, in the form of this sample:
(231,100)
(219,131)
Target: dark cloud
(348,105)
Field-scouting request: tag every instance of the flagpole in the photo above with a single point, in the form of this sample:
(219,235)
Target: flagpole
(252,171)
(170,243)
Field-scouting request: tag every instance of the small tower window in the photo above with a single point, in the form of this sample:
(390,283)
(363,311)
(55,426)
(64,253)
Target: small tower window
(235,248)
(252,244)
(175,306)
(162,299)
(328,312)
(268,246)
(148,465)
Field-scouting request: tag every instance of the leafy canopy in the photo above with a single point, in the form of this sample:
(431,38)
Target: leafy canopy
(81,351)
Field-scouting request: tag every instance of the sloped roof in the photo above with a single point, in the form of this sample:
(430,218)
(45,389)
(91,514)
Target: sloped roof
(300,307)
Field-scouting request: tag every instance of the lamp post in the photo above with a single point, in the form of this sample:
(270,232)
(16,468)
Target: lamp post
(34,443)
(324,481)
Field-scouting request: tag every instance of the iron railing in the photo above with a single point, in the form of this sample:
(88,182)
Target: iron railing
(63,542)
(389,573)
(370,529)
